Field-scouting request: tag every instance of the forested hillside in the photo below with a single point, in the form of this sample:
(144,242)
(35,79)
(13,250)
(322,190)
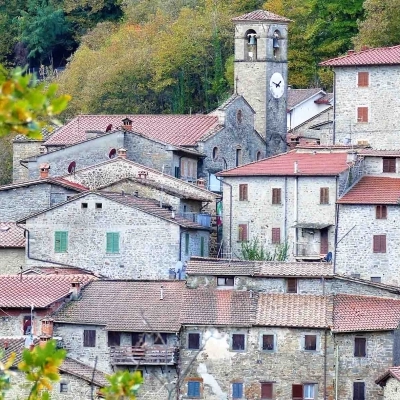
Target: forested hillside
(174,56)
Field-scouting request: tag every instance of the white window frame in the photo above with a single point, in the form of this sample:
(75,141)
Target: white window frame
(261,341)
(313,387)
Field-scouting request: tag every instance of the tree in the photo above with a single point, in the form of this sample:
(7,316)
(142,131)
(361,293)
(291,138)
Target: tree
(6,151)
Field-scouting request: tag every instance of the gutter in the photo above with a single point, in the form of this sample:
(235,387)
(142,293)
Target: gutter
(230,213)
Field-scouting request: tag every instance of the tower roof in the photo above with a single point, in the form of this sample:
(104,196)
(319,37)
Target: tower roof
(261,15)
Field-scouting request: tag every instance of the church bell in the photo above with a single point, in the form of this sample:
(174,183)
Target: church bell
(275,43)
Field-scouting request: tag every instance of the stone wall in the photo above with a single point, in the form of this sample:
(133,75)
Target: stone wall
(354,255)
(392,389)
(374,166)
(12,321)
(382,129)
(11,259)
(23,149)
(379,350)
(218,366)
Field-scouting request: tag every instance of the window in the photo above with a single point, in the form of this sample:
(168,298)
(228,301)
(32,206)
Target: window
(239,116)
(160,338)
(202,246)
(376,279)
(112,242)
(114,339)
(60,242)
(358,391)
(193,389)
(266,390)
(89,338)
(238,157)
(258,156)
(27,325)
(243,192)
(268,342)
(363,79)
(362,114)
(291,285)
(381,212)
(324,195)
(193,341)
(389,165)
(137,339)
(360,345)
(310,342)
(303,392)
(243,234)
(276,196)
(63,387)
(276,235)
(99,206)
(237,390)
(186,243)
(215,153)
(238,341)
(379,244)
(84,205)
(225,281)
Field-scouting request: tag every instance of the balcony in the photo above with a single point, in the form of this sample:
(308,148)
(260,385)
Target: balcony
(143,355)
(202,219)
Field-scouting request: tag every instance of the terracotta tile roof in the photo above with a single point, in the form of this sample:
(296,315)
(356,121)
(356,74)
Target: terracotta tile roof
(393,372)
(219,266)
(323,164)
(218,307)
(64,182)
(295,310)
(379,153)
(56,181)
(56,270)
(326,99)
(365,313)
(180,130)
(297,96)
(376,56)
(133,306)
(151,206)
(295,269)
(37,290)
(84,371)
(11,235)
(9,345)
(373,190)
(261,15)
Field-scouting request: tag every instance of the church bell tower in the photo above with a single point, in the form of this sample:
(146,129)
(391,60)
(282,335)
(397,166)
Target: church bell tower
(261,71)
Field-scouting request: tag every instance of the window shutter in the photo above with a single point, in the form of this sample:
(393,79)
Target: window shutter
(57,241)
(202,246)
(193,389)
(109,245)
(358,391)
(276,235)
(276,196)
(383,243)
(243,192)
(292,285)
(242,232)
(297,392)
(363,79)
(362,114)
(360,347)
(324,195)
(89,338)
(237,390)
(116,242)
(266,390)
(383,212)
(60,242)
(379,244)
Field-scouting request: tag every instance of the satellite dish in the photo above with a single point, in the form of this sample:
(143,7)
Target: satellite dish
(109,127)
(71,167)
(112,153)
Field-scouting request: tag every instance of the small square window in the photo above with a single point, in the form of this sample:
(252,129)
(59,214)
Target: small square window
(268,342)
(243,191)
(193,341)
(379,243)
(238,341)
(363,79)
(360,347)
(362,114)
(99,206)
(237,390)
(310,342)
(376,279)
(63,387)
(243,233)
(266,390)
(193,389)
(160,338)
(291,285)
(381,212)
(84,205)
(225,281)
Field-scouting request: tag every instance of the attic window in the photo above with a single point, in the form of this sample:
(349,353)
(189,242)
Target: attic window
(84,205)
(239,116)
(99,206)
(225,281)
(63,387)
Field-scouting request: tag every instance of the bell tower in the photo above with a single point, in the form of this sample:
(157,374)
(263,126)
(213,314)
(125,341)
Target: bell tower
(261,70)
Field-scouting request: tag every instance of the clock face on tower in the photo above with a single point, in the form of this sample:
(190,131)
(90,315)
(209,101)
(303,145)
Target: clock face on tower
(277,85)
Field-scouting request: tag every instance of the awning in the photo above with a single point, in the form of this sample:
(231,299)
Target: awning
(311,225)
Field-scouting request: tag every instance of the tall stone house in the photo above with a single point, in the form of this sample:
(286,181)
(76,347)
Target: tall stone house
(366,101)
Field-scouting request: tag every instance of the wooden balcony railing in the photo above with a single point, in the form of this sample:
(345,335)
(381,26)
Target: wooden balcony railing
(133,355)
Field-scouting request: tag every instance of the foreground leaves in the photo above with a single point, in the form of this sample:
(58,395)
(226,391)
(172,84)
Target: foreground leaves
(123,385)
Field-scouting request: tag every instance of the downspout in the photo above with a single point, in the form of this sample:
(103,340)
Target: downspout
(230,212)
(336,227)
(296,188)
(336,372)
(325,366)
(285,211)
(334,109)
(21,163)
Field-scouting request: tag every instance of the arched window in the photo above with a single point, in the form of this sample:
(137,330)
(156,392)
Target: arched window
(258,156)
(215,153)
(239,116)
(251,48)
(275,42)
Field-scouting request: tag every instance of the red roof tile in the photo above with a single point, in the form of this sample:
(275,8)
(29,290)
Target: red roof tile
(38,290)
(373,190)
(379,153)
(297,96)
(55,181)
(365,313)
(185,130)
(324,164)
(295,310)
(377,56)
(393,372)
(11,235)
(65,182)
(84,371)
(261,15)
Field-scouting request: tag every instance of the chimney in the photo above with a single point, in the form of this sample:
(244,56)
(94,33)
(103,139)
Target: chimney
(201,183)
(350,52)
(296,167)
(75,290)
(47,327)
(127,124)
(363,48)
(121,152)
(162,292)
(142,174)
(43,339)
(44,170)
(351,157)
(42,150)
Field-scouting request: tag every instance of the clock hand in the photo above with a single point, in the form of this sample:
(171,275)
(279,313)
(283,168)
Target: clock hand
(276,84)
(279,84)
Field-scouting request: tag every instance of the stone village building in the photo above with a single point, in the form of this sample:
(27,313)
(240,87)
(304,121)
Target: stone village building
(390,382)
(12,248)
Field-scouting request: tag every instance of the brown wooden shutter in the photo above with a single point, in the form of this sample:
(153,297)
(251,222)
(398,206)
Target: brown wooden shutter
(389,165)
(266,390)
(360,347)
(276,196)
(242,192)
(381,212)
(276,235)
(324,195)
(379,244)
(362,114)
(297,392)
(89,338)
(363,79)
(291,285)
(242,232)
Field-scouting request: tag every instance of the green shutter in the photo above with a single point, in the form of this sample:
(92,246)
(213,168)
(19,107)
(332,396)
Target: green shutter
(202,246)
(112,245)
(60,242)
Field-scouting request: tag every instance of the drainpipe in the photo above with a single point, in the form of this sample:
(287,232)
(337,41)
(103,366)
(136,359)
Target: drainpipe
(285,211)
(337,372)
(230,212)
(334,109)
(336,227)
(325,366)
(296,188)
